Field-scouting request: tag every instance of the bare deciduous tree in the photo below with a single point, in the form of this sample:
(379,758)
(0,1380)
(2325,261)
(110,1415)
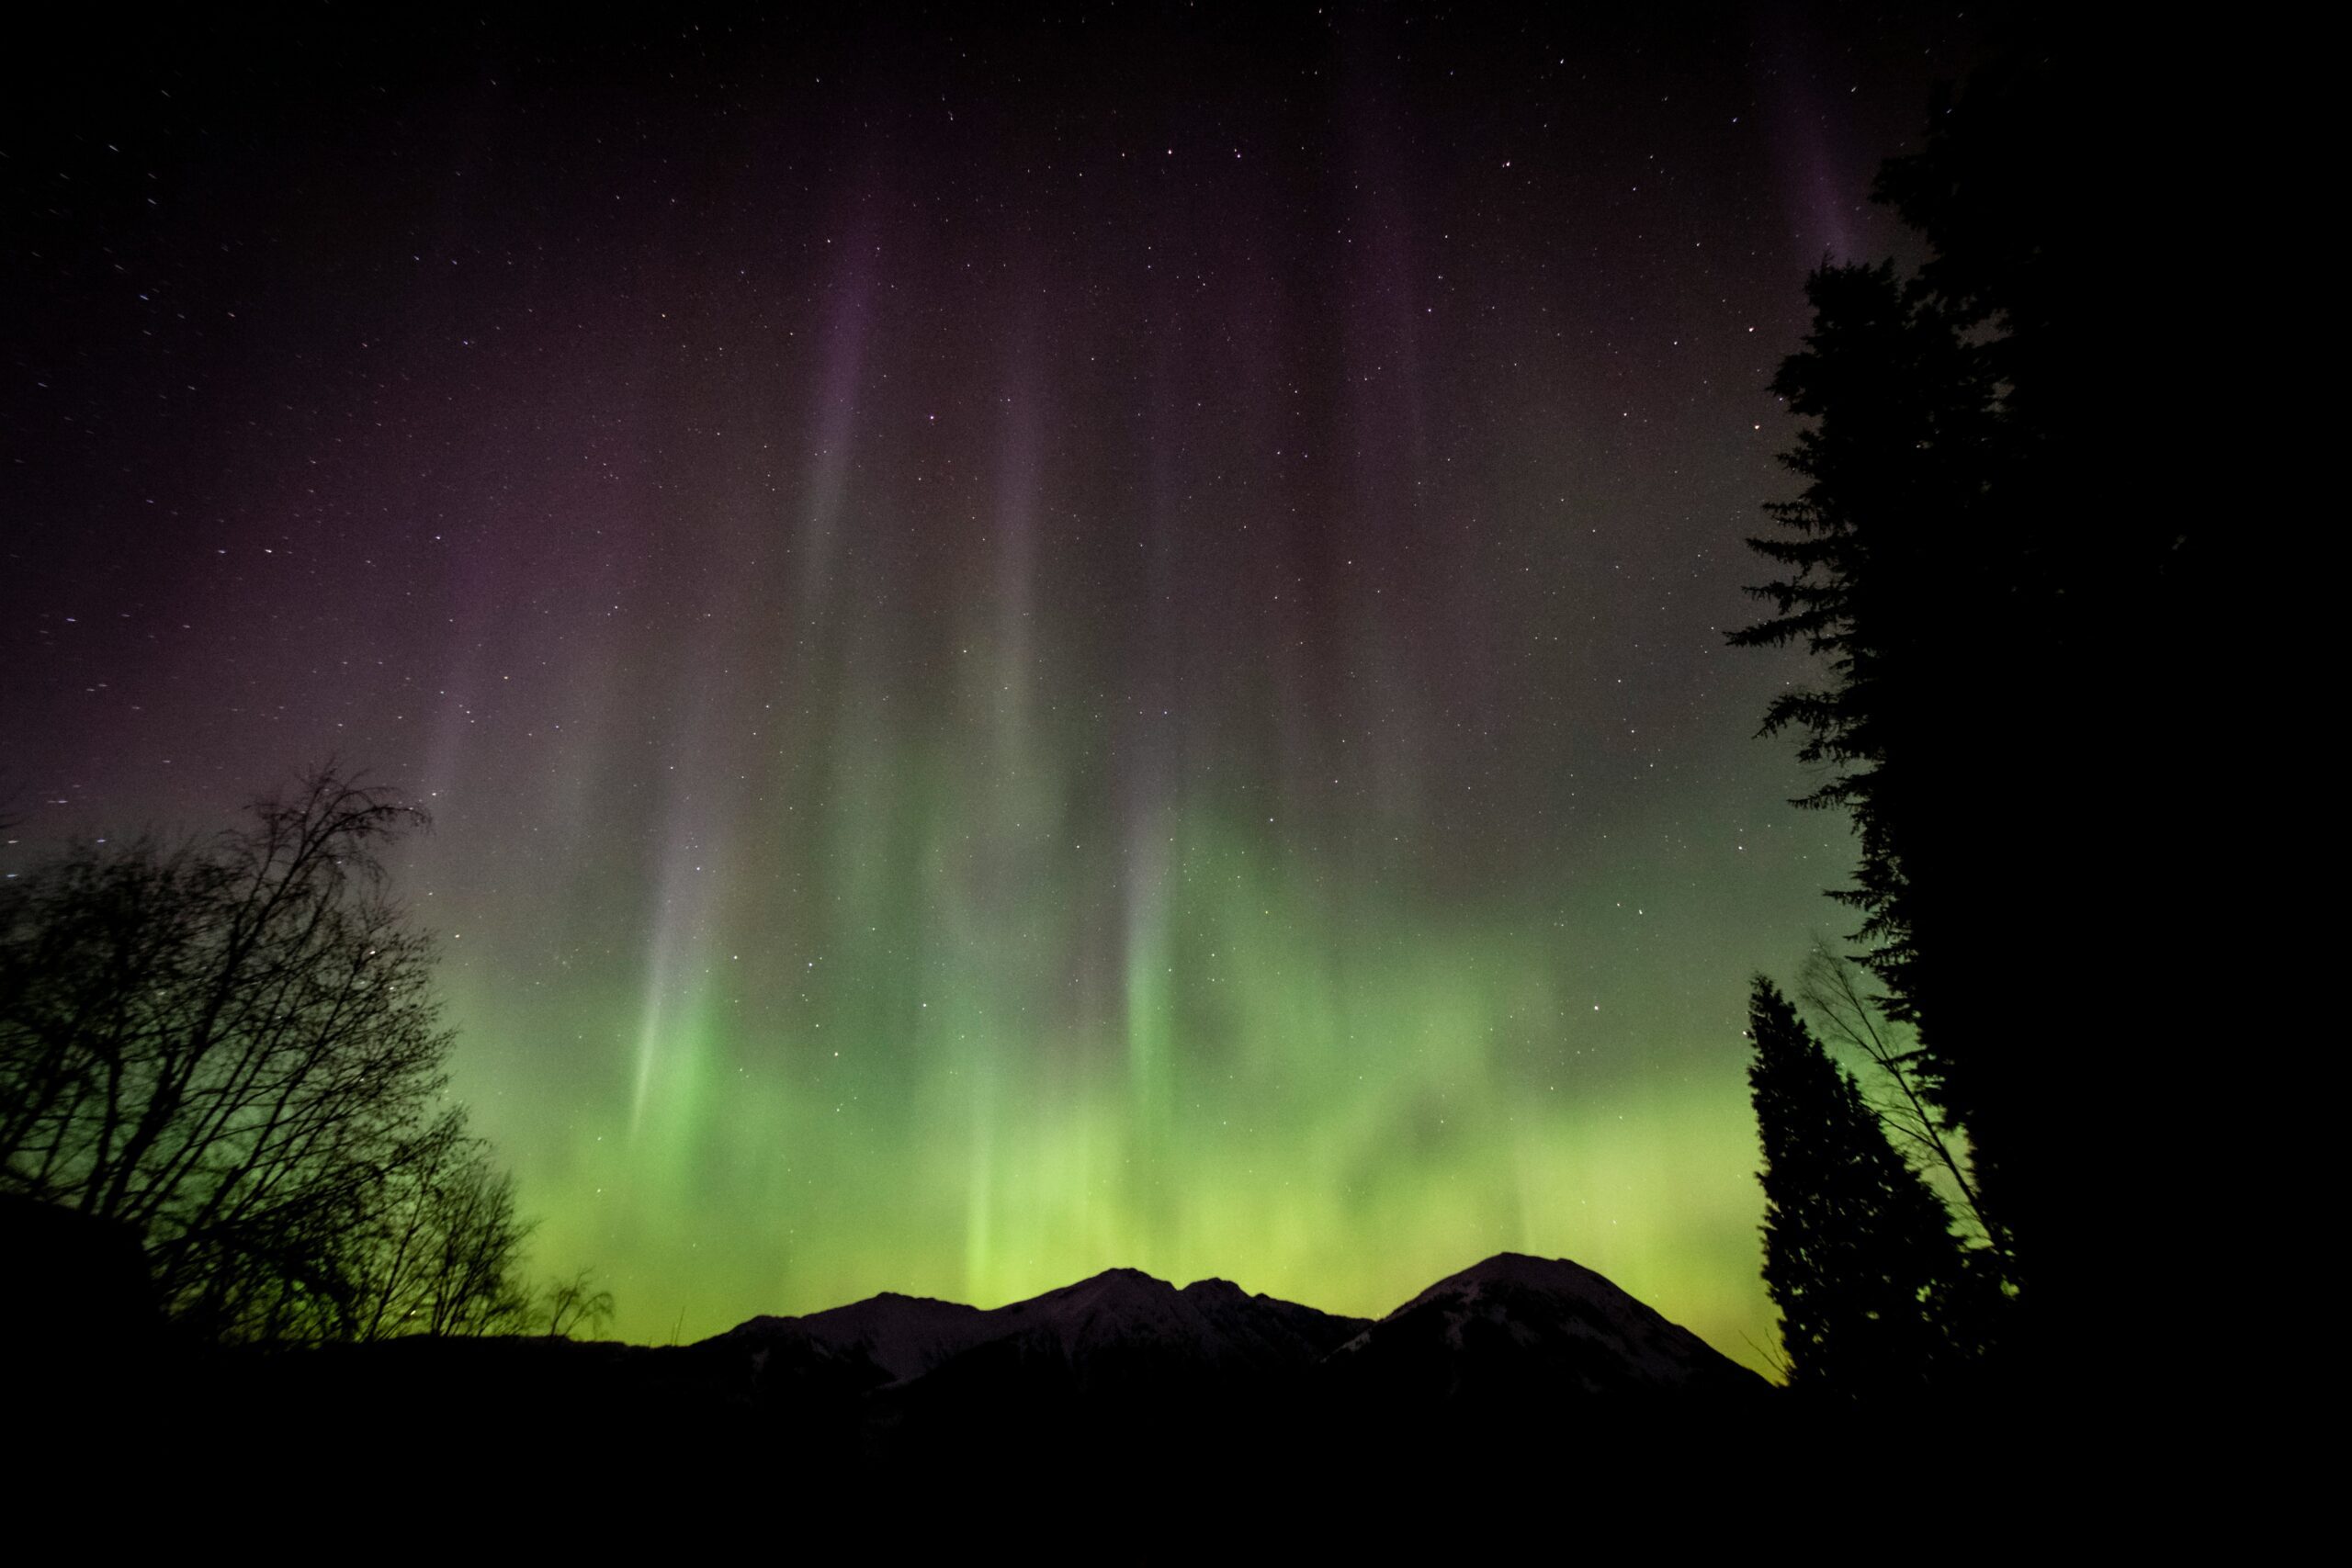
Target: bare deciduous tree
(576,1302)
(232,1047)
(443,1253)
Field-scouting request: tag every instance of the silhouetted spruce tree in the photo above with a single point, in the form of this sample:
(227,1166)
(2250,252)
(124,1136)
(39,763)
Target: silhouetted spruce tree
(1859,1252)
(2006,630)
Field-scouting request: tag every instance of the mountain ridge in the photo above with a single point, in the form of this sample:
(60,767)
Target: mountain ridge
(1210,1324)
(1107,1376)
(1556,1314)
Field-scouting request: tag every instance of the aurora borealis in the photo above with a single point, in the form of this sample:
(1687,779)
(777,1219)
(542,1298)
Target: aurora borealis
(1034,645)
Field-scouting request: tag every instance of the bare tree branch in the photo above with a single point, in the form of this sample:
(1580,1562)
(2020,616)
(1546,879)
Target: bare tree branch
(1830,990)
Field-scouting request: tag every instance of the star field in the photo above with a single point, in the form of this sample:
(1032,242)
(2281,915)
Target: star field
(1034,645)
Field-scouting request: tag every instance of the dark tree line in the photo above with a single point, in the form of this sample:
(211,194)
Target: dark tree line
(231,1051)
(2005,633)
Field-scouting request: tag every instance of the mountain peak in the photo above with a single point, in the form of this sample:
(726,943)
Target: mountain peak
(1120,1284)
(1513,1273)
(1519,1269)
(897,1335)
(1512,1323)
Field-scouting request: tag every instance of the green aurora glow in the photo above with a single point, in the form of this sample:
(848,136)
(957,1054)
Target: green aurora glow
(1033,649)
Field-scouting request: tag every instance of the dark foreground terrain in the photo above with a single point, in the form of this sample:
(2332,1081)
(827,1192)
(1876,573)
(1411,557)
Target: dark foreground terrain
(1519,1376)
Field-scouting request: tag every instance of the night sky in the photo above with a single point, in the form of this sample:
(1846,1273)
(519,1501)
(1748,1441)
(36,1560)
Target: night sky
(1034,645)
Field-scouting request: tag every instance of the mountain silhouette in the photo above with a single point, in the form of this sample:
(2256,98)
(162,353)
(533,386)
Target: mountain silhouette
(1120,1355)
(889,1337)
(1119,1315)
(1516,1327)
(1490,1364)
(1124,1357)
